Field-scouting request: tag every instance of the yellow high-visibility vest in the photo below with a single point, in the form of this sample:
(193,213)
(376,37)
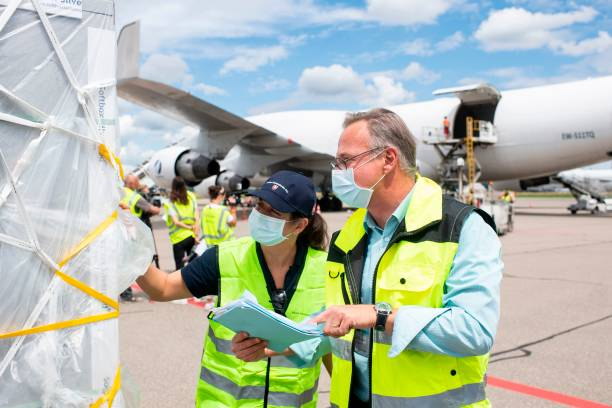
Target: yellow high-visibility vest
(130,199)
(226,381)
(412,271)
(185,213)
(213,221)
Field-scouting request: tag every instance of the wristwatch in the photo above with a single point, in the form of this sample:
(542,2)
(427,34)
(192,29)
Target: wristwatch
(383,310)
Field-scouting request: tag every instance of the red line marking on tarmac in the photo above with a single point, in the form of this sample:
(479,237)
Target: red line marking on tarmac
(544,394)
(195,302)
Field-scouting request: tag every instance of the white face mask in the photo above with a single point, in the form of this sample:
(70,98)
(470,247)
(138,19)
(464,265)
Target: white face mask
(266,230)
(347,190)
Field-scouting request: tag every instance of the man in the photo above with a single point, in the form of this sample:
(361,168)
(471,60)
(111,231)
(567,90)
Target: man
(446,125)
(412,292)
(133,201)
(141,208)
(218,221)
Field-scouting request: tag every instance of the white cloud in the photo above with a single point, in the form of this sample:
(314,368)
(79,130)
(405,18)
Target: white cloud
(182,134)
(333,81)
(133,153)
(419,47)
(339,84)
(385,91)
(415,71)
(596,45)
(424,48)
(451,42)
(250,59)
(171,69)
(191,20)
(525,77)
(518,29)
(209,89)
(407,12)
(270,85)
(412,72)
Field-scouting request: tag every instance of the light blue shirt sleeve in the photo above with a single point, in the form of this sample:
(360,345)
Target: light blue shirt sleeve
(308,352)
(467,323)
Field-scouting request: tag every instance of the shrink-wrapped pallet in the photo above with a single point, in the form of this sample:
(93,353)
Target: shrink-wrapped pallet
(66,249)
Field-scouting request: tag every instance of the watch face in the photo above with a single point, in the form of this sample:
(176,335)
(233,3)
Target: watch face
(383,307)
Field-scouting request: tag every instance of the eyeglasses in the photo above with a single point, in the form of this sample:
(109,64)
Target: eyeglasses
(342,164)
(279,300)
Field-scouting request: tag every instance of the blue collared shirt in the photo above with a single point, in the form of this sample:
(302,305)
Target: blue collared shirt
(467,323)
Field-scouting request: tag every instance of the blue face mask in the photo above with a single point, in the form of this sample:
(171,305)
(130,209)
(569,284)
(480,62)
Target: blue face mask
(266,230)
(345,188)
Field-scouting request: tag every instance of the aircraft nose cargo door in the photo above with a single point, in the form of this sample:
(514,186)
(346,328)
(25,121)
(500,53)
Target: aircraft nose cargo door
(478,101)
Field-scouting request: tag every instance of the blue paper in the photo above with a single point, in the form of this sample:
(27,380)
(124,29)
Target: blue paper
(246,315)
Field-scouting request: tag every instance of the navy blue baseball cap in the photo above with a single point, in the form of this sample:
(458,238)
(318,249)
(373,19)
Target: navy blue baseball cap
(287,191)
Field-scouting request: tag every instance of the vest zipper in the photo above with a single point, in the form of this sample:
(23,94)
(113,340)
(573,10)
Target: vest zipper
(352,283)
(267,387)
(395,239)
(345,295)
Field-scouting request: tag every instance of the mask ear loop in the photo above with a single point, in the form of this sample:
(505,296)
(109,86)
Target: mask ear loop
(363,164)
(286,221)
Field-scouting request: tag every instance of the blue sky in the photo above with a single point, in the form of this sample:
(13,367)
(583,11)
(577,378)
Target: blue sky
(255,56)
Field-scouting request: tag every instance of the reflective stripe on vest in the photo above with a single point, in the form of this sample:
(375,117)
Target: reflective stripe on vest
(213,220)
(412,271)
(228,381)
(457,397)
(225,347)
(257,392)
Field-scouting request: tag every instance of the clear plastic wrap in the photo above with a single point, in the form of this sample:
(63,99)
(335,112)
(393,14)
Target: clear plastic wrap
(66,249)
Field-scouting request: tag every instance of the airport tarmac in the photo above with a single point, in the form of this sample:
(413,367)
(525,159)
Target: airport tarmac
(553,342)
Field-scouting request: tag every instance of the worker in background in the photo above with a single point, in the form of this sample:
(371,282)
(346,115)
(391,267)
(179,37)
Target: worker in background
(282,263)
(507,196)
(217,220)
(183,221)
(446,125)
(141,208)
(137,204)
(413,279)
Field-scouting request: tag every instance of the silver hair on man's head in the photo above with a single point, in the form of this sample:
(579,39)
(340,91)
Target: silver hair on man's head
(388,129)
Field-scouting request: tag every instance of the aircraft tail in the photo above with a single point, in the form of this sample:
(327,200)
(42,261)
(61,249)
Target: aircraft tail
(128,51)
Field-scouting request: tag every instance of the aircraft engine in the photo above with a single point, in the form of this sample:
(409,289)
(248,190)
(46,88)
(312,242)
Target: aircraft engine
(173,161)
(232,182)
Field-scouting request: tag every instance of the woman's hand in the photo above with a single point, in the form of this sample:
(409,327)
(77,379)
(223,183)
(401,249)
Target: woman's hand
(248,348)
(196,231)
(253,349)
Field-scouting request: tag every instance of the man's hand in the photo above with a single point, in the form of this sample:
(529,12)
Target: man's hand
(339,320)
(253,349)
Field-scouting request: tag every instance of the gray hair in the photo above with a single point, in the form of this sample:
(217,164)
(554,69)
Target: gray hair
(388,129)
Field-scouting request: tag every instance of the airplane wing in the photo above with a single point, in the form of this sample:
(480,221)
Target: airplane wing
(220,130)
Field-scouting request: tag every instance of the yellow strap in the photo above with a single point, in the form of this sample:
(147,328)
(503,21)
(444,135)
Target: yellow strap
(109,396)
(89,238)
(87,289)
(79,285)
(61,325)
(104,152)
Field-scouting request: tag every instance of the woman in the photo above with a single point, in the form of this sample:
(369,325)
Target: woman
(282,264)
(183,220)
